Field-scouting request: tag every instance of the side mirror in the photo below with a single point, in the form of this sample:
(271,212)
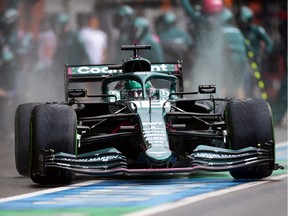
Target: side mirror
(73,93)
(207,89)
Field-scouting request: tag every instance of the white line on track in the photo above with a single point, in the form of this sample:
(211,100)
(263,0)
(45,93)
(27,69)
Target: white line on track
(190,200)
(48,191)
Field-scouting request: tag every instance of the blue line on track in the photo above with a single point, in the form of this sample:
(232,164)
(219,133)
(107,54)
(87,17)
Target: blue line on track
(122,193)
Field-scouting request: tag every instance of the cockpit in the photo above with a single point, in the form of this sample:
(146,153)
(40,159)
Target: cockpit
(137,81)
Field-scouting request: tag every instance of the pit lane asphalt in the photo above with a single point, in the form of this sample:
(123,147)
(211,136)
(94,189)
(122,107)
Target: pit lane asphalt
(266,199)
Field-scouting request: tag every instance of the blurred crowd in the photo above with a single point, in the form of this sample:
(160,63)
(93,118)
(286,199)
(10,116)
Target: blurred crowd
(219,44)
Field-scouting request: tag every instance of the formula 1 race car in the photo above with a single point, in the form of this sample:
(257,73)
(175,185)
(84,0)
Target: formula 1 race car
(141,124)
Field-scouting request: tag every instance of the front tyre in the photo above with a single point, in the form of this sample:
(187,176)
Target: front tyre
(22,137)
(249,124)
(53,127)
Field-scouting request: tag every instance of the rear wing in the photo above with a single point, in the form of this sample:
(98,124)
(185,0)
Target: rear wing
(97,73)
(92,73)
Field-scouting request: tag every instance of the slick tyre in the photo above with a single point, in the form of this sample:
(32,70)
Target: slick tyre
(53,127)
(22,137)
(250,123)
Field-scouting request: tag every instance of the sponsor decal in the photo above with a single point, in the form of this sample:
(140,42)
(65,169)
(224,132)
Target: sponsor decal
(219,155)
(162,67)
(93,70)
(155,133)
(165,68)
(152,138)
(103,69)
(94,159)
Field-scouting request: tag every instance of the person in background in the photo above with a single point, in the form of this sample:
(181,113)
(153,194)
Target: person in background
(47,44)
(26,48)
(122,21)
(9,56)
(279,104)
(70,48)
(235,61)
(258,46)
(207,43)
(176,43)
(44,66)
(9,44)
(254,33)
(141,34)
(206,19)
(94,40)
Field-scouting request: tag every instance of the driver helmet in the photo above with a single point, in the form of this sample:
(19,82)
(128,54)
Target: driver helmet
(10,16)
(212,7)
(165,20)
(123,16)
(125,11)
(140,27)
(133,89)
(227,16)
(246,15)
(62,19)
(9,20)
(61,23)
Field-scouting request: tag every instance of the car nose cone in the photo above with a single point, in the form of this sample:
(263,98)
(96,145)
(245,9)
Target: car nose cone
(158,154)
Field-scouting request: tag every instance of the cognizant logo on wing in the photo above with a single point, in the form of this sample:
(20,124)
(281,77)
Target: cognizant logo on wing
(159,67)
(95,70)
(103,69)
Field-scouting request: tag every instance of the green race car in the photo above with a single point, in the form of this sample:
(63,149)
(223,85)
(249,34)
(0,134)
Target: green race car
(141,123)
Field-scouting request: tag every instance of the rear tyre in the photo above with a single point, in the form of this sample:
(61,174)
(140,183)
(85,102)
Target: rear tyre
(53,127)
(22,137)
(249,123)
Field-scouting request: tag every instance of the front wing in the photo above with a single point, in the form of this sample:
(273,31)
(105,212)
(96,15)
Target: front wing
(110,162)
